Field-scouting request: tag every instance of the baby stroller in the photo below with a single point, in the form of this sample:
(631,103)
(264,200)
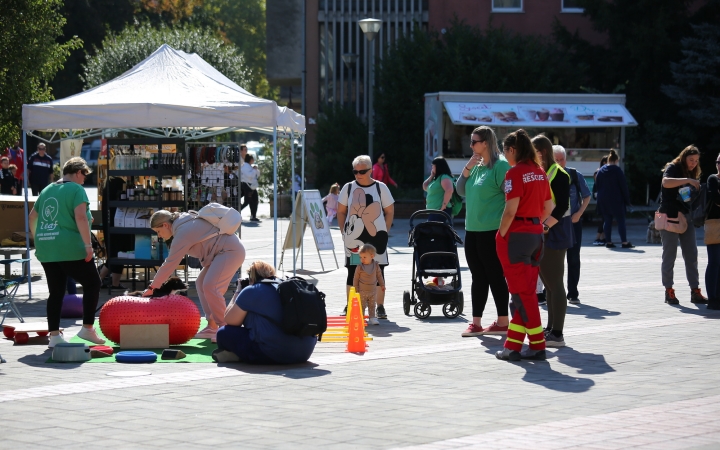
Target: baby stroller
(434,255)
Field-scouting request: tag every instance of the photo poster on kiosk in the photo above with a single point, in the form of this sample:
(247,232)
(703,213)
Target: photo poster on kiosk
(309,210)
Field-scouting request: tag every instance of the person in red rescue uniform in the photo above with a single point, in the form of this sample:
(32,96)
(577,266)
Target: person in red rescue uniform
(519,243)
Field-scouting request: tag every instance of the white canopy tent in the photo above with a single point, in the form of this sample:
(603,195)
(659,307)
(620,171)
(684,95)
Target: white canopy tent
(170,94)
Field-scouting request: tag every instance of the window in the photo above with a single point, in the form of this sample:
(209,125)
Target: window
(507,5)
(571,6)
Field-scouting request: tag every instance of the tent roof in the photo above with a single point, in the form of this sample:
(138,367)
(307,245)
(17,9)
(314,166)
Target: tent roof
(169,89)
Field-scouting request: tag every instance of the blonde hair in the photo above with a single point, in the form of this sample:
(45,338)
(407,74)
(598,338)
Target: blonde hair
(368,248)
(260,270)
(75,165)
(335,189)
(488,135)
(160,217)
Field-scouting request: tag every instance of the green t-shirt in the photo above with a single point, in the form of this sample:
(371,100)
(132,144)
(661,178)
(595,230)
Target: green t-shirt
(56,235)
(436,193)
(485,197)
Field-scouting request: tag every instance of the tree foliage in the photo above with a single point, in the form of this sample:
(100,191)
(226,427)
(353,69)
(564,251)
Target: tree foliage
(29,58)
(121,51)
(696,77)
(340,137)
(464,59)
(284,170)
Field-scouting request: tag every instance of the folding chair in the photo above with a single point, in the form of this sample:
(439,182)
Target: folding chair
(8,290)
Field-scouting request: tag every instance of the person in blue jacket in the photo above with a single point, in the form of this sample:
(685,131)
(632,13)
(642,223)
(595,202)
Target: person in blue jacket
(612,198)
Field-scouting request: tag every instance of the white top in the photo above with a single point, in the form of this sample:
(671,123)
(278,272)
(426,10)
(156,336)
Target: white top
(250,175)
(365,221)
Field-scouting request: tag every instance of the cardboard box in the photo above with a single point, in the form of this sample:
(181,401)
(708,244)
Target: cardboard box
(12,211)
(120,217)
(142,218)
(130,214)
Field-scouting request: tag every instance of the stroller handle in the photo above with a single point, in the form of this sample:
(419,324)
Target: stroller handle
(426,212)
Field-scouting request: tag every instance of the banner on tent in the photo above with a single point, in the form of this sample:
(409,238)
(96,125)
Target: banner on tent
(70,148)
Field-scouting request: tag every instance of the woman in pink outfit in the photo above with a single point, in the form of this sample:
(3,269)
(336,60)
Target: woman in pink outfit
(221,256)
(381,172)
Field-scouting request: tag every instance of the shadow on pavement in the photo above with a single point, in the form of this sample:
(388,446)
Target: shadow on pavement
(385,329)
(619,249)
(591,312)
(542,374)
(294,371)
(699,310)
(586,363)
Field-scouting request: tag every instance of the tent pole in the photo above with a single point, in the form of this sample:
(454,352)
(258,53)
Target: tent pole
(294,204)
(27,215)
(302,187)
(275,195)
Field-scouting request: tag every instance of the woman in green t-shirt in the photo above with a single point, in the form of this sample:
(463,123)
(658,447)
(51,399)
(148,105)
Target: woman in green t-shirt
(439,188)
(60,224)
(482,184)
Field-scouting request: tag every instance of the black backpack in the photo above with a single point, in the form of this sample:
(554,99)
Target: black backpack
(303,307)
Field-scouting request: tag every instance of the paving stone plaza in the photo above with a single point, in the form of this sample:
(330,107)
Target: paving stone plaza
(636,373)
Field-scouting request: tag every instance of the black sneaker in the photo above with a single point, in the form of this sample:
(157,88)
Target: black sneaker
(224,356)
(381,312)
(542,300)
(508,355)
(344,313)
(609,245)
(628,245)
(254,219)
(535,355)
(553,341)
(574,301)
(599,242)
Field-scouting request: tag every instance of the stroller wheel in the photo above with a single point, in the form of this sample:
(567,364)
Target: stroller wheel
(422,310)
(451,310)
(406,303)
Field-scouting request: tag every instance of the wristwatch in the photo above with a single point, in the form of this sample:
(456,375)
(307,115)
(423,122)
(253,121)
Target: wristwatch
(545,227)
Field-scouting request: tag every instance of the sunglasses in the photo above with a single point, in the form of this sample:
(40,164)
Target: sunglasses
(361,172)
(473,141)
(85,174)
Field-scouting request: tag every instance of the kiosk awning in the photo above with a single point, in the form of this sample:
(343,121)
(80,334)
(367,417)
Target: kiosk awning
(554,115)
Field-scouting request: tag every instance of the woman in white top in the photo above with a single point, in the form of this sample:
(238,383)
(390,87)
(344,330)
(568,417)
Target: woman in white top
(250,174)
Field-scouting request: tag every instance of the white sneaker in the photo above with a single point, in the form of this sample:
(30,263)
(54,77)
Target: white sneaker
(206,333)
(373,321)
(89,334)
(55,340)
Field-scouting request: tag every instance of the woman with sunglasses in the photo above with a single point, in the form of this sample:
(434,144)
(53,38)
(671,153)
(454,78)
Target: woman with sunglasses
(365,213)
(712,239)
(60,224)
(559,237)
(519,243)
(481,183)
(681,171)
(381,172)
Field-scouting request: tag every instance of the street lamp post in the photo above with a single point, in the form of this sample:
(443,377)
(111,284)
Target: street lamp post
(370,28)
(349,60)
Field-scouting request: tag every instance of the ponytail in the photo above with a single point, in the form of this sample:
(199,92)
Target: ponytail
(524,150)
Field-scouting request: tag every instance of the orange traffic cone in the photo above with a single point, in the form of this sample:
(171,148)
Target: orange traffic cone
(351,294)
(356,337)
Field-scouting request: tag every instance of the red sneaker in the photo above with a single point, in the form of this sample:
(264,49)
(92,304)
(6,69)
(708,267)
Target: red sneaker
(472,330)
(495,329)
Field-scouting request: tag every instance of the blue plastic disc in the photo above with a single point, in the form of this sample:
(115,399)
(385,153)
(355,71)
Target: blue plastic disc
(136,357)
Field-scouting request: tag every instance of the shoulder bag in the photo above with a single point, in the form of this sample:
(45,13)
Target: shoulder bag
(674,225)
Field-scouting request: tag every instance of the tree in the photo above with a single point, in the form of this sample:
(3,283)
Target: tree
(30,58)
(465,59)
(697,76)
(121,51)
(340,137)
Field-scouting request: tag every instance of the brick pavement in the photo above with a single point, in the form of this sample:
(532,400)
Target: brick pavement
(636,373)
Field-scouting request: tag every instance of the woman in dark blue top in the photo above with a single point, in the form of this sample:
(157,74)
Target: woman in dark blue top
(558,238)
(612,198)
(712,273)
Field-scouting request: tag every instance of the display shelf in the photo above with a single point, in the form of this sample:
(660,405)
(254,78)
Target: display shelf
(147,203)
(135,262)
(147,173)
(130,230)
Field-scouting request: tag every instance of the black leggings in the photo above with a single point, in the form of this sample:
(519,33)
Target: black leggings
(251,198)
(84,273)
(486,272)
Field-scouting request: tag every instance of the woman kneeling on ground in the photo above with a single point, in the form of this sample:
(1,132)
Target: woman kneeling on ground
(252,334)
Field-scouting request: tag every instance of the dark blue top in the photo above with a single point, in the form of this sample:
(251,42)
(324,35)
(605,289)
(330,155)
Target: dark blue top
(577,182)
(612,190)
(264,312)
(40,169)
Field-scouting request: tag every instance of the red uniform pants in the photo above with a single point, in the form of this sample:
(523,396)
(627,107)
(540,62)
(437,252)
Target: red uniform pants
(520,253)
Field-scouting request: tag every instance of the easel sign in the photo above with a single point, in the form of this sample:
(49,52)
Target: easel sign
(309,210)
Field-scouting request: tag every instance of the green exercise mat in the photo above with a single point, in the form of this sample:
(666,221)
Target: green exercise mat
(197,350)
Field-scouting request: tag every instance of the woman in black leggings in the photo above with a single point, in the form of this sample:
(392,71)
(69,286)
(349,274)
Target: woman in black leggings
(481,182)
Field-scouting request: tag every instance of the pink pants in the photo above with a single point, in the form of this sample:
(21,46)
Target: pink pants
(213,281)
